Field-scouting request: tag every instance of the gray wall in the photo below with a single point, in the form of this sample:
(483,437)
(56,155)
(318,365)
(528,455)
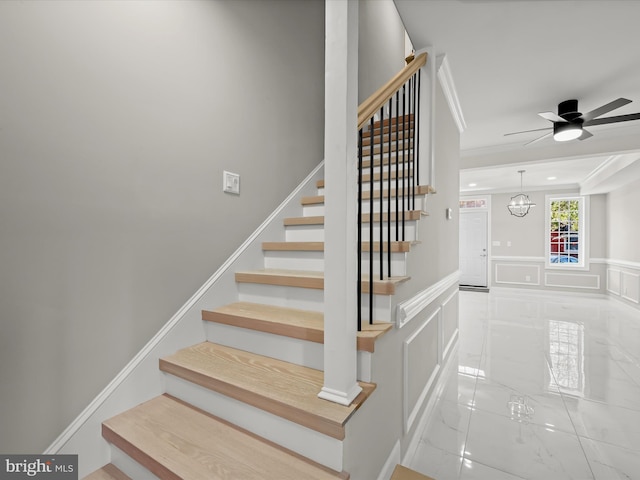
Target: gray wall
(116,122)
(437,255)
(527,237)
(623,223)
(381,37)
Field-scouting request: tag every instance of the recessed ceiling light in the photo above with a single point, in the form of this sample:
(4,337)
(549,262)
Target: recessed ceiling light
(551,178)
(473,184)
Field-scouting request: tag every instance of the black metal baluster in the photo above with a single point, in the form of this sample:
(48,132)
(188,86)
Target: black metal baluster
(416,134)
(359,230)
(413,143)
(388,195)
(371,152)
(404,165)
(397,132)
(381,191)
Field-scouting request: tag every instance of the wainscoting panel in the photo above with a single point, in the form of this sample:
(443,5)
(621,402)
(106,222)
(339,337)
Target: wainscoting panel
(613,281)
(449,316)
(572,280)
(630,287)
(421,366)
(513,274)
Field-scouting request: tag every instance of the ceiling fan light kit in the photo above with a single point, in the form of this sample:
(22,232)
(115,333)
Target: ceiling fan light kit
(569,123)
(563,132)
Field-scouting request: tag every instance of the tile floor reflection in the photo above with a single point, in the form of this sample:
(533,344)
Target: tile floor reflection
(541,387)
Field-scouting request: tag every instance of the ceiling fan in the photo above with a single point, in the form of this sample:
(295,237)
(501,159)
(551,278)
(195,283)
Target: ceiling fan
(569,123)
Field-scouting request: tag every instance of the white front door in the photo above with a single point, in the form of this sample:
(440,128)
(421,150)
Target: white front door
(473,248)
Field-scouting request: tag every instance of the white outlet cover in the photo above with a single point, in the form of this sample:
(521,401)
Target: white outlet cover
(231,182)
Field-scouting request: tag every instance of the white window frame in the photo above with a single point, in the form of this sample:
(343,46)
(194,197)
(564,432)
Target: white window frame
(583,222)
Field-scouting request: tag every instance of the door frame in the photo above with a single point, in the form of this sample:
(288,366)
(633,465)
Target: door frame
(486,208)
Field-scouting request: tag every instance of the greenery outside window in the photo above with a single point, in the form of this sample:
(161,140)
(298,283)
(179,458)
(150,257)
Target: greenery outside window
(566,231)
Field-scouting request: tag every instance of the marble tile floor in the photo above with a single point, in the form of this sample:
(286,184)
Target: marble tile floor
(540,387)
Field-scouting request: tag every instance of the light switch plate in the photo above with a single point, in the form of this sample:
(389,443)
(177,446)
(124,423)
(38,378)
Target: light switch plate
(231,182)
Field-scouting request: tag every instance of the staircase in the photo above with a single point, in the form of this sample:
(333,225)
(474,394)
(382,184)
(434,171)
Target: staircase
(244,403)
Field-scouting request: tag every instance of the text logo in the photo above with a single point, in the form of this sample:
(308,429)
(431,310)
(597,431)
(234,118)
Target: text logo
(49,467)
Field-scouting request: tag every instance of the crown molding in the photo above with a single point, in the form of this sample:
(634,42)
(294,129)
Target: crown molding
(450,93)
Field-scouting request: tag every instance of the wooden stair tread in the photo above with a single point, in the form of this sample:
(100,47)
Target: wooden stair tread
(289,322)
(396,246)
(404,473)
(108,472)
(281,388)
(311,279)
(319,220)
(419,190)
(176,441)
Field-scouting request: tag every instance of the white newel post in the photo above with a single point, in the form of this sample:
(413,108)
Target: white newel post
(340,151)
(427,118)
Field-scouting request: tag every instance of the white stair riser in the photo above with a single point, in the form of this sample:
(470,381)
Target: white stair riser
(292,350)
(420,204)
(307,442)
(304,233)
(315,233)
(314,261)
(306,299)
(129,466)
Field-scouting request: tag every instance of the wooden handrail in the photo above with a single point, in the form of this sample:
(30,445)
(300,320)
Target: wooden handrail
(372,104)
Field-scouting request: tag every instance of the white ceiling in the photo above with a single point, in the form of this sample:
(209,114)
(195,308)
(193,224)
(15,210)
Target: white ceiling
(511,59)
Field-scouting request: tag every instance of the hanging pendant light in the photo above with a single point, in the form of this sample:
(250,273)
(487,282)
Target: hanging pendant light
(520,204)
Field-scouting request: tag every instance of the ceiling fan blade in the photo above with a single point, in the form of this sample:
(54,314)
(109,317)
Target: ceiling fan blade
(527,131)
(616,119)
(620,102)
(552,117)
(539,138)
(585,134)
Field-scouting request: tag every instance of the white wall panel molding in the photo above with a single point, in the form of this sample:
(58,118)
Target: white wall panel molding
(572,280)
(448,315)
(509,258)
(613,281)
(421,364)
(510,273)
(623,263)
(630,286)
(407,310)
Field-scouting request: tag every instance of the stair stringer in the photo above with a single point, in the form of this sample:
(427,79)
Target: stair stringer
(141,380)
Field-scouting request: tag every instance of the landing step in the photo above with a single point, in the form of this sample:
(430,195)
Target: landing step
(289,322)
(404,473)
(281,388)
(319,219)
(310,279)
(108,472)
(396,247)
(418,190)
(174,440)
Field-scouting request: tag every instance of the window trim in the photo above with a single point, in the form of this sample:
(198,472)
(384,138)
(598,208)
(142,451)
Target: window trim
(583,222)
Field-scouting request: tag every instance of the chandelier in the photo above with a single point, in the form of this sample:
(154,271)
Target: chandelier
(520,204)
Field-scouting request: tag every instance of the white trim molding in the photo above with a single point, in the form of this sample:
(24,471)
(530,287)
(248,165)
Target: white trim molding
(509,258)
(613,283)
(634,295)
(549,274)
(411,411)
(537,274)
(407,310)
(450,92)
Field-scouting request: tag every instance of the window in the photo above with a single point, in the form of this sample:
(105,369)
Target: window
(566,231)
